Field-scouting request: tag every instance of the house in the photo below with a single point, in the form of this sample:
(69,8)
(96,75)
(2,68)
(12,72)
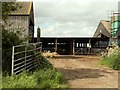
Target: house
(22,20)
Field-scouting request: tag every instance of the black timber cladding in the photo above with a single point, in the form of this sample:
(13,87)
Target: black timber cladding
(68,39)
(73,45)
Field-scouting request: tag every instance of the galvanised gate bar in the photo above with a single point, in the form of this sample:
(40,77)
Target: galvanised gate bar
(73,45)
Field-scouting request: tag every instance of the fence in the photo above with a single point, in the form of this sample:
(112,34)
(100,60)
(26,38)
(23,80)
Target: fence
(24,57)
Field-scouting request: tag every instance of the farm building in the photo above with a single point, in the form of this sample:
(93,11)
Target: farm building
(118,36)
(115,20)
(22,20)
(73,45)
(109,29)
(103,29)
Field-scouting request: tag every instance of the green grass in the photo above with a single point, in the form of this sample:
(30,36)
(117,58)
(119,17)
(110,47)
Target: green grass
(44,78)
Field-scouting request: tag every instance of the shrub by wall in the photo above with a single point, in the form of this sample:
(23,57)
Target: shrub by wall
(9,39)
(112,59)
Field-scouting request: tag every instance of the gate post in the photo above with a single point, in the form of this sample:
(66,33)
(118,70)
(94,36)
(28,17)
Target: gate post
(25,56)
(13,51)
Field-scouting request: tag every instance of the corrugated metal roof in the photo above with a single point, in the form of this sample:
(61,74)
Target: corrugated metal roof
(25,10)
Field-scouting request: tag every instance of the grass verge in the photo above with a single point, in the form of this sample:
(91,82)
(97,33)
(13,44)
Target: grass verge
(112,60)
(44,78)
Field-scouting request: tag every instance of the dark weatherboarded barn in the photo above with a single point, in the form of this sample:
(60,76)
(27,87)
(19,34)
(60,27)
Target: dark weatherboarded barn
(23,20)
(73,45)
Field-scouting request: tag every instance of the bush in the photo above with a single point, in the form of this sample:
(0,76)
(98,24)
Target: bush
(9,39)
(44,62)
(43,78)
(112,60)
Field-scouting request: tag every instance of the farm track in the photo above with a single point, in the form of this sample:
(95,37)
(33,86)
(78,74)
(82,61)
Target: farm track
(85,72)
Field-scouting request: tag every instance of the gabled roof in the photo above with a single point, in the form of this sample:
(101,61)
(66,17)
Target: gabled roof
(25,10)
(103,28)
(107,25)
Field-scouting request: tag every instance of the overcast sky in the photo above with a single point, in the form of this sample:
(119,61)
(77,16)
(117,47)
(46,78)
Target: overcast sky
(71,18)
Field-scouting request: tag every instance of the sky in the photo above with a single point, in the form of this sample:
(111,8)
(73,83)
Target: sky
(71,18)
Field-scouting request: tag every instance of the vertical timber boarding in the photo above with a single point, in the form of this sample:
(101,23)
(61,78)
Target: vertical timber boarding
(89,47)
(78,46)
(56,45)
(73,46)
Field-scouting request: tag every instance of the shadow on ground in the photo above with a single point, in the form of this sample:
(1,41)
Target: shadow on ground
(82,73)
(69,57)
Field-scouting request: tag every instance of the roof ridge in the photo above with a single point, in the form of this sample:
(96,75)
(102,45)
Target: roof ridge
(105,20)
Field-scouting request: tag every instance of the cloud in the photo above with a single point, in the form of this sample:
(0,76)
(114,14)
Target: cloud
(71,18)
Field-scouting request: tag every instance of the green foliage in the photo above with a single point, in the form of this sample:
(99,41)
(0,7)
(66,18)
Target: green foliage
(49,78)
(44,63)
(7,8)
(19,81)
(112,60)
(44,78)
(9,39)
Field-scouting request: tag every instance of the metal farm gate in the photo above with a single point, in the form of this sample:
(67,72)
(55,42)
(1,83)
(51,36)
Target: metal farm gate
(24,57)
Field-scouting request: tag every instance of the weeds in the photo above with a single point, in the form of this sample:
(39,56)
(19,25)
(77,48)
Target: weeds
(46,78)
(112,60)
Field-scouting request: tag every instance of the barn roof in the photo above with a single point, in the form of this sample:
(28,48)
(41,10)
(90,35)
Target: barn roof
(104,28)
(107,25)
(25,10)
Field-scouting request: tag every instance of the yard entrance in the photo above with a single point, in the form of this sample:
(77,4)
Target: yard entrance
(85,72)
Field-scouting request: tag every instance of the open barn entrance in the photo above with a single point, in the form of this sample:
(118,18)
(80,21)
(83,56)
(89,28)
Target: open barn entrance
(64,46)
(63,49)
(73,46)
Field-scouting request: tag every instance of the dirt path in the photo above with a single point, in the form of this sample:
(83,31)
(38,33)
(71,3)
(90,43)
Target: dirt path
(85,72)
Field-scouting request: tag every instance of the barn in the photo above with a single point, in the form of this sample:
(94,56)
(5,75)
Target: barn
(109,29)
(103,30)
(22,21)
